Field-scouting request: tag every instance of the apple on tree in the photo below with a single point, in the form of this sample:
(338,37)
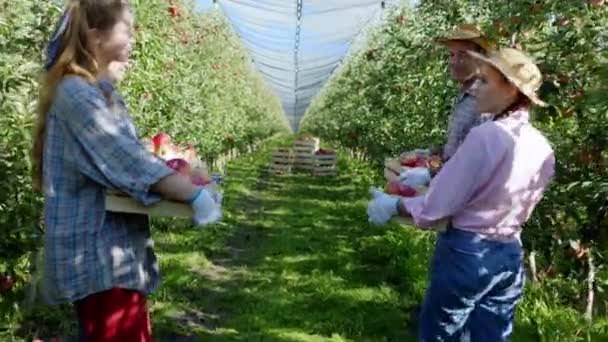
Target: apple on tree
(6,283)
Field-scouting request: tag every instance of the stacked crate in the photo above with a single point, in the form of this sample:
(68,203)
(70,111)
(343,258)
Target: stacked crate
(325,164)
(281,162)
(304,153)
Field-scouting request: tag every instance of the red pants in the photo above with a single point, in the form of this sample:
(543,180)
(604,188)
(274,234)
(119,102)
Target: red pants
(115,315)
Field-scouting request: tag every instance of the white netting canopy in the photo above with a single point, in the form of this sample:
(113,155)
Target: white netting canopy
(297,44)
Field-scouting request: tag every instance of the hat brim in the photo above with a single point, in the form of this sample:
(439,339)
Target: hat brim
(529,94)
(482,42)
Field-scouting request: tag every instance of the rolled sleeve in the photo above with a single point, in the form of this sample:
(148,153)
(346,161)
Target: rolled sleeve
(108,154)
(454,185)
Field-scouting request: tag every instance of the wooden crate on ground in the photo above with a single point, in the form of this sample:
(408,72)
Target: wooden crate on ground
(304,152)
(281,161)
(325,164)
(307,144)
(303,161)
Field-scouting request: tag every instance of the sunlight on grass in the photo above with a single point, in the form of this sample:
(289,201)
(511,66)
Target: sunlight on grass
(296,336)
(296,260)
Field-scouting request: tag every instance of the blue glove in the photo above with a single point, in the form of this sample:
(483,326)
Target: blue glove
(382,207)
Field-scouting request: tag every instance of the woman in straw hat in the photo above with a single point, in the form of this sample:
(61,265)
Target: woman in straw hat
(488,190)
(462,67)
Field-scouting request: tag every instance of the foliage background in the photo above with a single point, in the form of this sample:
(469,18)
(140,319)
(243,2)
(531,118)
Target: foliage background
(190,78)
(395,95)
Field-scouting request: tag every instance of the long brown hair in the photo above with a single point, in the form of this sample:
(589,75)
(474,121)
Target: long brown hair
(75,57)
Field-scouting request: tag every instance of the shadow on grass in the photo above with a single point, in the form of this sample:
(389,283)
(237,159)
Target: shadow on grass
(295,260)
(289,268)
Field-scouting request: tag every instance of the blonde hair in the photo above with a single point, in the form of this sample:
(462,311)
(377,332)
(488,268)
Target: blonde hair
(73,58)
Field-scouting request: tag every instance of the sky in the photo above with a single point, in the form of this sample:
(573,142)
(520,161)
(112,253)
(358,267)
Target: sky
(268,30)
(204,5)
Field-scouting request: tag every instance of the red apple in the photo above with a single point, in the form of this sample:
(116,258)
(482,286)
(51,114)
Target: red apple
(159,141)
(421,162)
(6,283)
(395,187)
(180,165)
(174,11)
(161,138)
(409,161)
(392,187)
(406,191)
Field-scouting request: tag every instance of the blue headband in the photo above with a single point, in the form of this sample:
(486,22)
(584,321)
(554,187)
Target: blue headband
(54,46)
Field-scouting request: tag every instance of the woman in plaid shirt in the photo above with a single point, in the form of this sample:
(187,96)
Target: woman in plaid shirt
(85,142)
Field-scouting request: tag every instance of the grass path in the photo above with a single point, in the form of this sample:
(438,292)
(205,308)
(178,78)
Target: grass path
(293,260)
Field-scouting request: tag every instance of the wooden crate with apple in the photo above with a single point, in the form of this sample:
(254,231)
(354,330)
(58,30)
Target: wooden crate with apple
(182,159)
(325,163)
(395,173)
(304,152)
(281,161)
(394,167)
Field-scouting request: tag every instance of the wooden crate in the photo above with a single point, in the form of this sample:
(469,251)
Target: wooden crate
(307,145)
(325,165)
(119,202)
(304,153)
(393,168)
(281,161)
(304,161)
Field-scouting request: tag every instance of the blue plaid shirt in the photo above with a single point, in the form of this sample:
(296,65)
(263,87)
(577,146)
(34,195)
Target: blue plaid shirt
(91,144)
(463,118)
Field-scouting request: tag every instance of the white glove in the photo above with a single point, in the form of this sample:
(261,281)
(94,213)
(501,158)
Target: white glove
(382,207)
(206,209)
(416,177)
(216,195)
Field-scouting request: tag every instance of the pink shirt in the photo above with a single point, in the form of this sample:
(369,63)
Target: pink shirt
(492,183)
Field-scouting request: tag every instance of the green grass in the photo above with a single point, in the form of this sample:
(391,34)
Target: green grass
(295,260)
(285,265)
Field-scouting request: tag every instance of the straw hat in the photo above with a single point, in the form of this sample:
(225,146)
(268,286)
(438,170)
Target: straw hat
(468,32)
(518,68)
